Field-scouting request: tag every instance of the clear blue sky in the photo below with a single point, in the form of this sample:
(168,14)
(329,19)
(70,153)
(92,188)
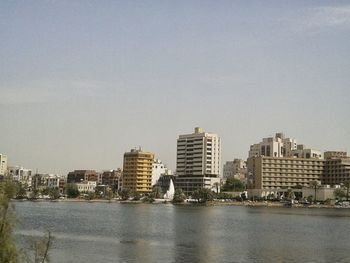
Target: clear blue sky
(81,82)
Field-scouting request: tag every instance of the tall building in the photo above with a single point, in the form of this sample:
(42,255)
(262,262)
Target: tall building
(198,160)
(3,164)
(137,171)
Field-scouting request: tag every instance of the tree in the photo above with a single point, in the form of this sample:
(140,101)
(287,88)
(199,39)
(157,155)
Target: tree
(136,196)
(34,194)
(315,185)
(203,195)
(54,193)
(339,193)
(179,196)
(125,194)
(157,192)
(40,248)
(72,191)
(347,187)
(233,184)
(8,252)
(21,192)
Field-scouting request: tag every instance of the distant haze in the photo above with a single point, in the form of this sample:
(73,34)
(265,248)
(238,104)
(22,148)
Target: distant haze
(81,82)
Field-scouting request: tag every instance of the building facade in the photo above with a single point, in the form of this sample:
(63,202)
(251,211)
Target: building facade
(3,164)
(137,171)
(236,168)
(159,169)
(20,174)
(78,176)
(198,161)
(111,179)
(337,168)
(268,175)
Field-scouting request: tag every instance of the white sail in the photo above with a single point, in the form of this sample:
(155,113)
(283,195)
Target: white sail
(171,191)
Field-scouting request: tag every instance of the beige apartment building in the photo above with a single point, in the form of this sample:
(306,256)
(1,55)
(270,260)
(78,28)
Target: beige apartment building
(137,171)
(198,161)
(337,168)
(269,175)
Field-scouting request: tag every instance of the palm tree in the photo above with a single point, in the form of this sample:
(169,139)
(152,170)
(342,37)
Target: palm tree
(314,184)
(347,186)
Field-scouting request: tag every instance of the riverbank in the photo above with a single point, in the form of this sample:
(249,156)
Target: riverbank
(210,203)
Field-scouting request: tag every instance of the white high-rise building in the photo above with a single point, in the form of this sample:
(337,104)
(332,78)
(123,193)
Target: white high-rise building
(198,160)
(3,164)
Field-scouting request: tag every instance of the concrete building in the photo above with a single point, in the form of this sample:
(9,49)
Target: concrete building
(272,175)
(198,161)
(137,171)
(268,175)
(277,146)
(159,169)
(20,174)
(87,186)
(337,168)
(3,164)
(236,168)
(78,176)
(111,179)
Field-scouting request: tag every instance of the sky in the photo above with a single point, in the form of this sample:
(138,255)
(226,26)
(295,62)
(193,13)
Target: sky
(82,82)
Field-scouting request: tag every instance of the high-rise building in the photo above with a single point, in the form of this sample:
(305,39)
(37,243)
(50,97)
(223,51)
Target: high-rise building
(137,171)
(198,160)
(3,164)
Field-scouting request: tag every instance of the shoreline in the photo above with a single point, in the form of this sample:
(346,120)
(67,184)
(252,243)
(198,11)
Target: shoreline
(210,203)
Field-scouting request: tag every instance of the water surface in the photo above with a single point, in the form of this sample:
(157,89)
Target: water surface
(112,232)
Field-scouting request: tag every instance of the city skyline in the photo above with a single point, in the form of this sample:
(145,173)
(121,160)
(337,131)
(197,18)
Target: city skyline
(82,83)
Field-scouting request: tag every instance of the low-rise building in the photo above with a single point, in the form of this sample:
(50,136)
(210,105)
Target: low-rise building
(236,168)
(111,179)
(78,176)
(87,186)
(21,175)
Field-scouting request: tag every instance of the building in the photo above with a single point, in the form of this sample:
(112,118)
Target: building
(78,176)
(198,161)
(280,146)
(3,164)
(292,167)
(137,171)
(236,168)
(270,175)
(158,169)
(87,186)
(337,168)
(111,179)
(20,174)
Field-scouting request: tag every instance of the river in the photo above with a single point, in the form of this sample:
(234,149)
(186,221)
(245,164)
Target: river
(113,232)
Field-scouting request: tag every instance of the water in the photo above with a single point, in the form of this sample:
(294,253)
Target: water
(111,232)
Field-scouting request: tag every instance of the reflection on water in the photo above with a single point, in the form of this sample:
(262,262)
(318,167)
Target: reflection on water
(102,232)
